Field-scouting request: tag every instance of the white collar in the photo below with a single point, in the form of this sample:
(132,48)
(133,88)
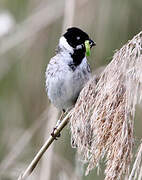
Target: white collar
(63,44)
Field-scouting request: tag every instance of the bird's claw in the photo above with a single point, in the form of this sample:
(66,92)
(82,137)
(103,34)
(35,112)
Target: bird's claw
(53,134)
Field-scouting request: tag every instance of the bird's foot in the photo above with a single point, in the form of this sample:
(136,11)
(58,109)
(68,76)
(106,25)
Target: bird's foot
(53,134)
(57,124)
(54,129)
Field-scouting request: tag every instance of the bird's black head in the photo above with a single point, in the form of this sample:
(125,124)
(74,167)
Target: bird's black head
(76,36)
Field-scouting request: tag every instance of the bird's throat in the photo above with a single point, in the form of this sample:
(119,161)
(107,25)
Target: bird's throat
(78,56)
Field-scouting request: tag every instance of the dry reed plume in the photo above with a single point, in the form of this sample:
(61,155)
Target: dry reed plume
(102,119)
(136,173)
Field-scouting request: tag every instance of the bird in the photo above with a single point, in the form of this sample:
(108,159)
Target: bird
(68,71)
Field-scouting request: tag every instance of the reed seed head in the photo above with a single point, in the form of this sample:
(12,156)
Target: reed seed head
(102,119)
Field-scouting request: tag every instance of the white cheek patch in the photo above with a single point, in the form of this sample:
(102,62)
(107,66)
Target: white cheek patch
(64,44)
(79,47)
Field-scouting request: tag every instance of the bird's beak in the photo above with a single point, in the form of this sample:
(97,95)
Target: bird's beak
(92,43)
(88,45)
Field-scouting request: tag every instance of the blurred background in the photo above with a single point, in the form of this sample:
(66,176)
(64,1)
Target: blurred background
(29,34)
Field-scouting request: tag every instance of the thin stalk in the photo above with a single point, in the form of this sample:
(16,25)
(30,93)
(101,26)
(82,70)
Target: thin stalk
(47,144)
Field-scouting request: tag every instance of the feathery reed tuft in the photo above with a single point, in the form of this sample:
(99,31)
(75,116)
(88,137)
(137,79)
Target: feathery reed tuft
(102,119)
(136,172)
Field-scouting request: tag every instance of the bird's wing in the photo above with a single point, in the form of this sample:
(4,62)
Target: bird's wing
(54,69)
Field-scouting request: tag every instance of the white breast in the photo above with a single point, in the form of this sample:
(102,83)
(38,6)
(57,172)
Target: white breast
(63,84)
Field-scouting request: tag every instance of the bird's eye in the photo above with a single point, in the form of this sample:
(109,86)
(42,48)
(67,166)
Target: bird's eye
(78,38)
